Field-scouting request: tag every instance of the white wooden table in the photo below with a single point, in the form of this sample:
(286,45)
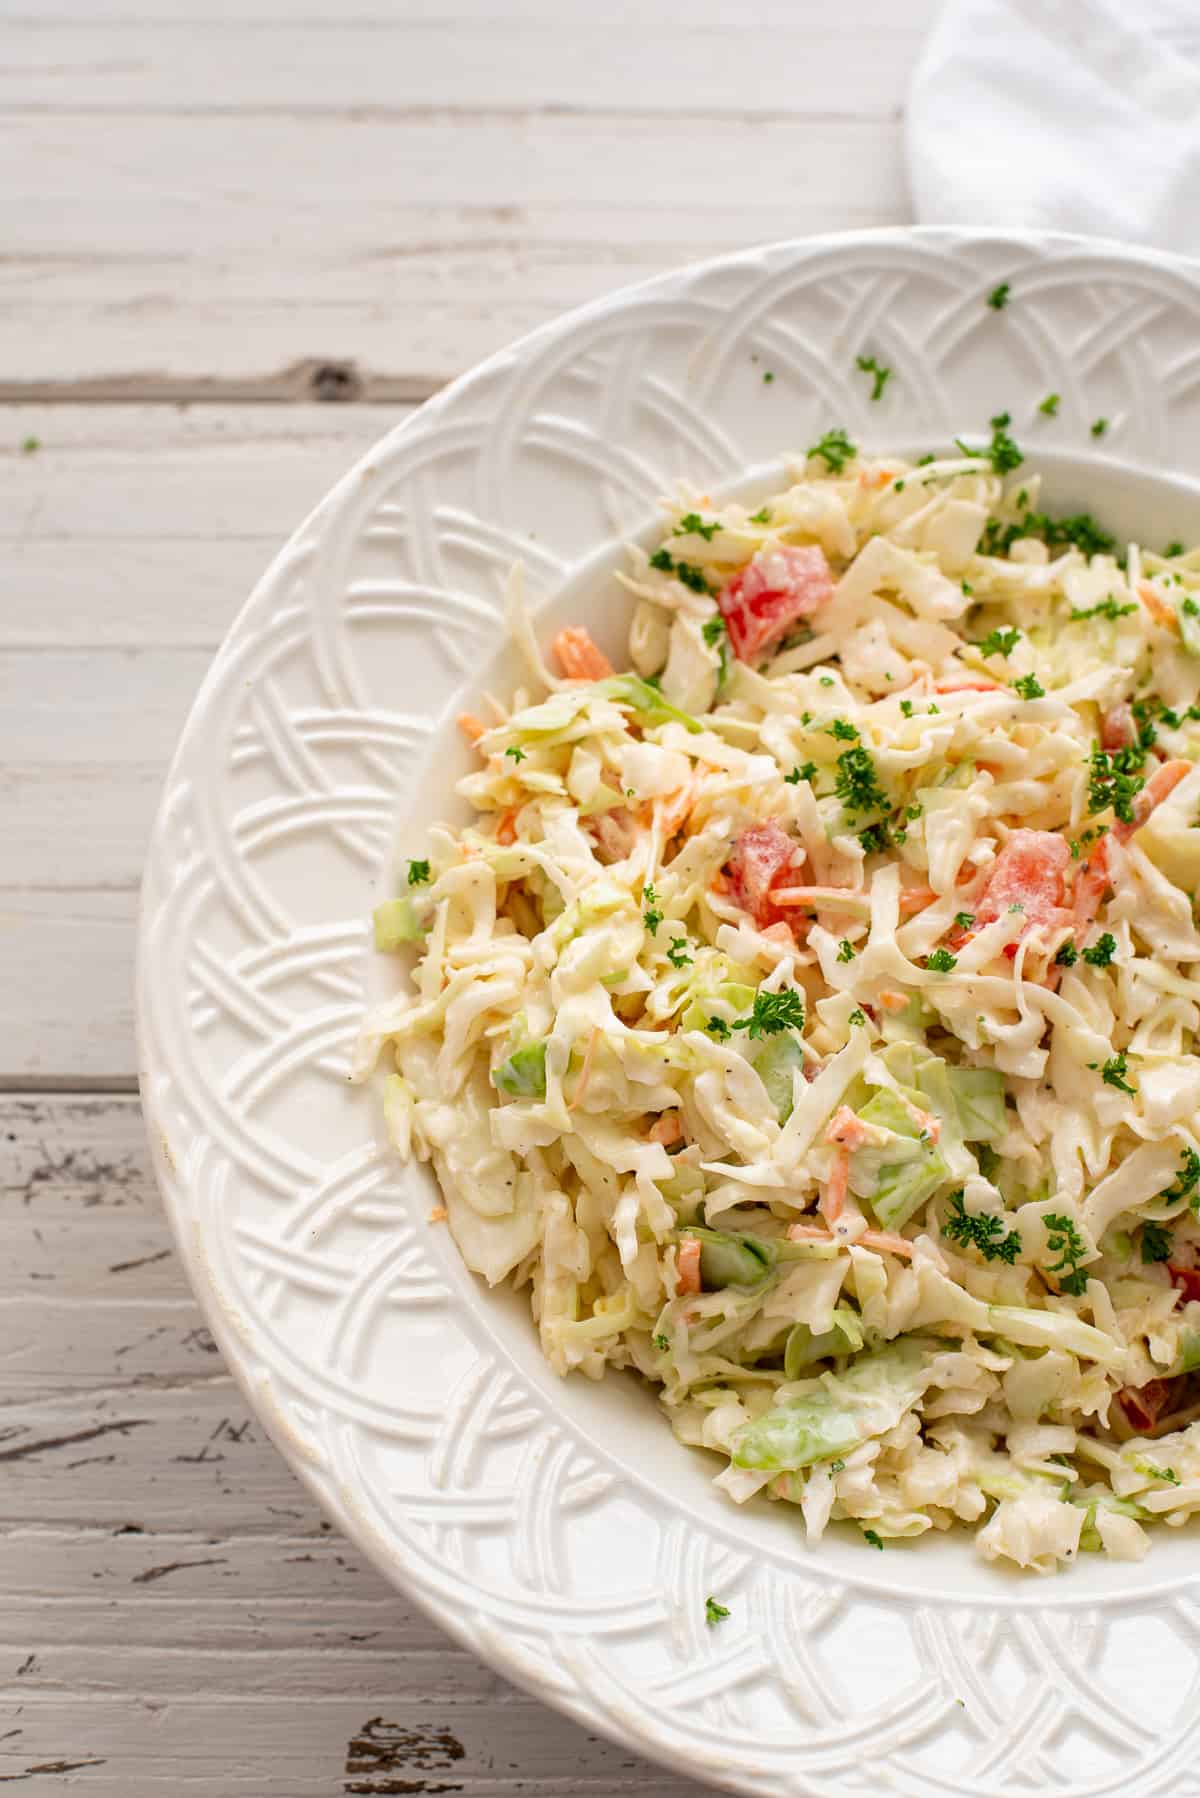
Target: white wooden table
(216,219)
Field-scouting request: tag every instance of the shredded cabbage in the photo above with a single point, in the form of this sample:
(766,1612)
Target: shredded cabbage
(810,1017)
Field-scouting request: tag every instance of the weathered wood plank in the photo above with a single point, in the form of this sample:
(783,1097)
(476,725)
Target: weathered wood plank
(463,233)
(177,1614)
(682,61)
(372,1741)
(128,542)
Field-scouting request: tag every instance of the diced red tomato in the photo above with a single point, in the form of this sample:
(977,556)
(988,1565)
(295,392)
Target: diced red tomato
(762,601)
(1144,1405)
(763,857)
(1028,872)
(1187,1279)
(1118,729)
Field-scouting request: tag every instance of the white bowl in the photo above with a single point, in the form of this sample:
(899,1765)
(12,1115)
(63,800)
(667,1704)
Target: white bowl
(558,1528)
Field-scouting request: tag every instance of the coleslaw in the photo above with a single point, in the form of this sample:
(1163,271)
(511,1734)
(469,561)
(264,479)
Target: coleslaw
(809,1017)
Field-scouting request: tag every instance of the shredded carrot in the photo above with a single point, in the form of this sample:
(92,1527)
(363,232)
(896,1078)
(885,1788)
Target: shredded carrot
(892,1001)
(585,1072)
(666,1130)
(966,685)
(578,656)
(884,1239)
(506,829)
(833,1199)
(847,1128)
(1157,607)
(808,1233)
(438,1215)
(879,477)
(870,1239)
(687,1265)
(471,727)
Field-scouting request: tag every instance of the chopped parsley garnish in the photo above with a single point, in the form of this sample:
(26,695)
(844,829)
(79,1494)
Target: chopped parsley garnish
(999,642)
(1028,686)
(964,919)
(999,297)
(826,681)
(685,572)
(1114,1071)
(1064,1240)
(714,1612)
(677,955)
(518,755)
(1114,781)
(761,517)
(858,1015)
(873,1537)
(717,1027)
(835,450)
(1067,955)
(1156,1243)
(1173,549)
(418,874)
(1081,530)
(1101,953)
(982,1230)
(651,917)
(1099,426)
(857,785)
(768,377)
(838,1466)
(1106,608)
(845,733)
(774,1012)
(882,374)
(662,1343)
(913,812)
(1160,1473)
(1187,1179)
(712,630)
(30,446)
(1049,405)
(807,772)
(906,708)
(692,525)
(692,577)
(941,961)
(1003,453)
(877,837)
(845,950)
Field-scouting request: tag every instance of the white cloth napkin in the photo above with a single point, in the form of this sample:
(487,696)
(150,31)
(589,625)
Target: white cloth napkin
(1071,115)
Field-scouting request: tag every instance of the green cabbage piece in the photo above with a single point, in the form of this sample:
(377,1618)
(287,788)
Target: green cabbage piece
(645,701)
(730,1259)
(898,1178)
(523,1075)
(737,997)
(843,1411)
(803,1348)
(775,1064)
(978,1094)
(396,924)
